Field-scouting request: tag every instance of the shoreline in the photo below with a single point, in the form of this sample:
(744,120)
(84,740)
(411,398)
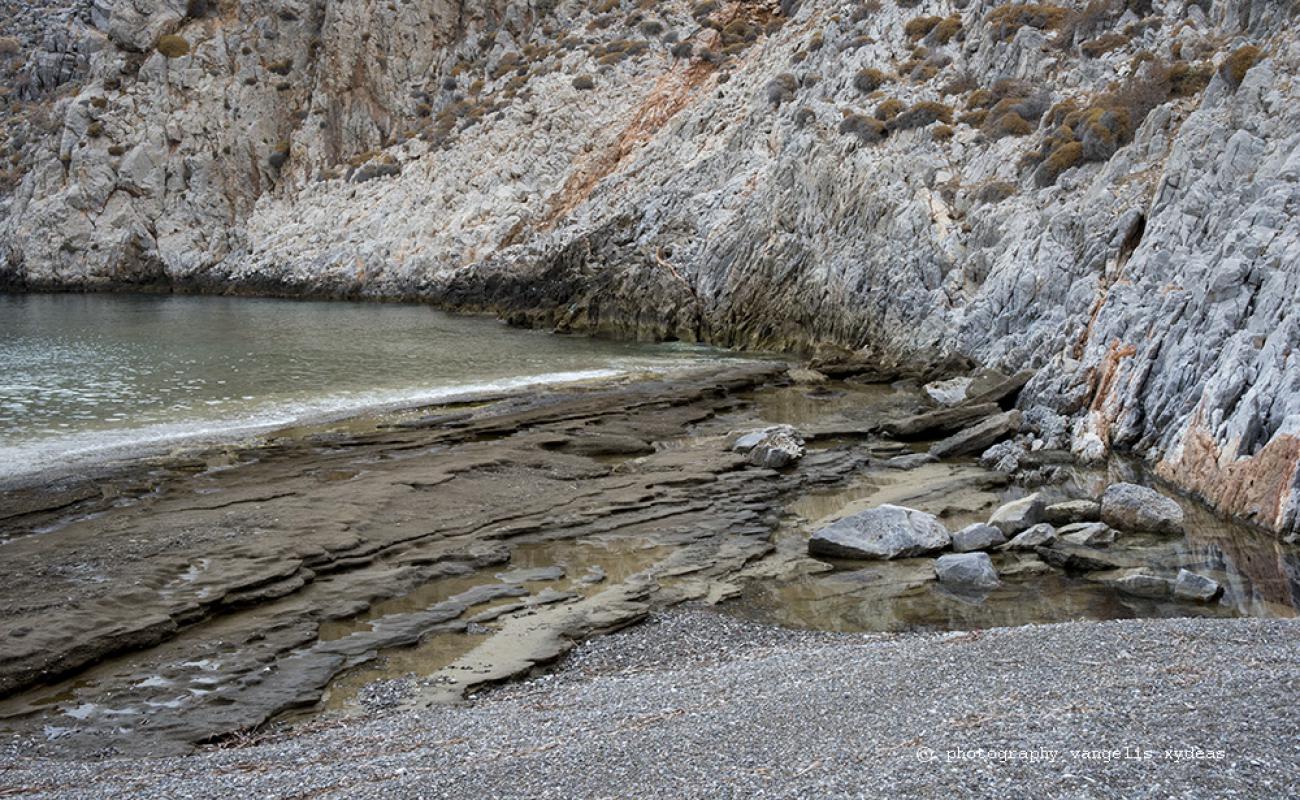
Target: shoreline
(109,459)
(472,546)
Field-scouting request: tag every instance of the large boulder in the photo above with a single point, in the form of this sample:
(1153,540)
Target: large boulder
(1130,507)
(966,572)
(1018,515)
(976,537)
(774,447)
(883,532)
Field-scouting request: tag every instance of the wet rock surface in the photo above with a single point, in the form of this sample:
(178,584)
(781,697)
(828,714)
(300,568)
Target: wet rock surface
(1137,508)
(966,572)
(884,532)
(391,564)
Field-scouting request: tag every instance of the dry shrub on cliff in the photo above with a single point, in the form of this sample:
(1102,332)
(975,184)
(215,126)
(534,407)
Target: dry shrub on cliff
(867,130)
(1095,48)
(1234,67)
(947,28)
(1062,158)
(869,80)
(1004,21)
(1010,124)
(889,108)
(918,27)
(922,114)
(942,132)
(173,46)
(584,83)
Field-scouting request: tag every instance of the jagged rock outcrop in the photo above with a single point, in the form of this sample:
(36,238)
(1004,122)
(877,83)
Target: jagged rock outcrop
(1106,191)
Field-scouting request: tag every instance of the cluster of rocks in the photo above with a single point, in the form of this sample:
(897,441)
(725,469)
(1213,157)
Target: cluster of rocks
(1073,535)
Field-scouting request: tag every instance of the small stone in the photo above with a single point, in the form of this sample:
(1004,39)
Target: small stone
(1072,511)
(1032,538)
(1018,515)
(1130,507)
(1192,586)
(774,447)
(976,537)
(1088,533)
(909,461)
(966,572)
(949,392)
(804,376)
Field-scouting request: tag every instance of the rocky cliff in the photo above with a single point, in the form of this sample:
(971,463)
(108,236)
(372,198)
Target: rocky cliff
(1104,190)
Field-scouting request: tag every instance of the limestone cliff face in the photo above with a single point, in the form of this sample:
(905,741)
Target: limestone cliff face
(1107,190)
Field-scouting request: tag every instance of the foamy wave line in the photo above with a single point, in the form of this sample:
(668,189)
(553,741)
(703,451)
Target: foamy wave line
(62,453)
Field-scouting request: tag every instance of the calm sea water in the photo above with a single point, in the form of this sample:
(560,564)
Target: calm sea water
(84,377)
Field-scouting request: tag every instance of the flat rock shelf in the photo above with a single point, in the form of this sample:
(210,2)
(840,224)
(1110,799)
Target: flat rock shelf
(407,565)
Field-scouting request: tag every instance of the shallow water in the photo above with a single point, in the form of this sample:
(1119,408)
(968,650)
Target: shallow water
(83,376)
(1259,574)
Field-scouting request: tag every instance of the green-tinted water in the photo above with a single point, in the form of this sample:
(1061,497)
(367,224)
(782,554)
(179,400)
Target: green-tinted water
(87,376)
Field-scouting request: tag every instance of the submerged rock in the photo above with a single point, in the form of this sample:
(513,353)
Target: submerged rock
(883,532)
(1018,515)
(1192,586)
(1137,582)
(1081,558)
(977,537)
(966,572)
(1130,507)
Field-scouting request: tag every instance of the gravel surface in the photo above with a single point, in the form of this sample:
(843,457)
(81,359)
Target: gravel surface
(694,704)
